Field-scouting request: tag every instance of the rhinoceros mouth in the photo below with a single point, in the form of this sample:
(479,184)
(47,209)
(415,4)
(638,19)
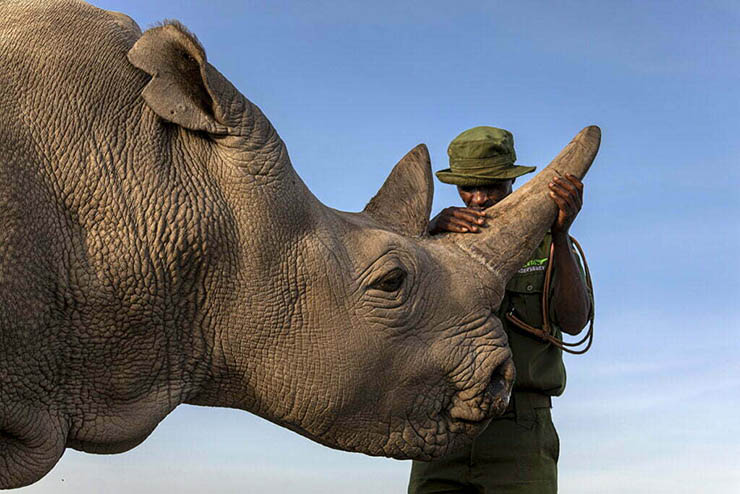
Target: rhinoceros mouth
(425,435)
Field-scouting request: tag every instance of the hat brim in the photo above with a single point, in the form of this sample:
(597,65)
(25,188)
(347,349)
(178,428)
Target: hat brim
(469,180)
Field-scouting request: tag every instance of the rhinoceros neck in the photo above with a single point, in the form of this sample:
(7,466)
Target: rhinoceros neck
(277,225)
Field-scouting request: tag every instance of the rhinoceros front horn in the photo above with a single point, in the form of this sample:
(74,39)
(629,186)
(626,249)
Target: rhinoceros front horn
(404,201)
(518,223)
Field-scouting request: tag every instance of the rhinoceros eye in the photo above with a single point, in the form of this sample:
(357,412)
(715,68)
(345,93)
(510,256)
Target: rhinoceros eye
(391,281)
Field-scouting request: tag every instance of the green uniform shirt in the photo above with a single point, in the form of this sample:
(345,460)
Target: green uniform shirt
(539,365)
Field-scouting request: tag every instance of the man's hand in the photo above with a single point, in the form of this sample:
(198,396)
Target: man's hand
(457,220)
(567,192)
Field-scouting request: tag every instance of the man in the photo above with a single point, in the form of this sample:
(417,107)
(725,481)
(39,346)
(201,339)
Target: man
(518,452)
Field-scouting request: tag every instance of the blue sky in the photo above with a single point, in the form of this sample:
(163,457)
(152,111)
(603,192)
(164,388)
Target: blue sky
(352,86)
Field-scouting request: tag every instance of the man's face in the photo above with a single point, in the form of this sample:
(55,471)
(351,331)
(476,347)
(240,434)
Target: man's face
(482,197)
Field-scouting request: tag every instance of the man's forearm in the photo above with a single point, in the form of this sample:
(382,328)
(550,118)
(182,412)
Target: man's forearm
(570,299)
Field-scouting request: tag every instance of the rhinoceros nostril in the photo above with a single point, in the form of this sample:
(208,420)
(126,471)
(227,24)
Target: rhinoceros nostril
(499,389)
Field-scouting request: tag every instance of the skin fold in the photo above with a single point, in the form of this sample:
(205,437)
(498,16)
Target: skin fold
(148,259)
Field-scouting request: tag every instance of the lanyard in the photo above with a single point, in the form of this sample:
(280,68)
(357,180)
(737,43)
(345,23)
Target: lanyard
(547,333)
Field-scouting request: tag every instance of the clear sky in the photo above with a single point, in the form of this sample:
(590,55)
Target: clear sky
(654,407)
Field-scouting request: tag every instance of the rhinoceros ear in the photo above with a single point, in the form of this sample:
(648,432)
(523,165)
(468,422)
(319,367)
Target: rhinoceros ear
(404,201)
(185,89)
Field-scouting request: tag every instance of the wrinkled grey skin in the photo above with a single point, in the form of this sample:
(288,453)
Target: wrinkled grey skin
(157,248)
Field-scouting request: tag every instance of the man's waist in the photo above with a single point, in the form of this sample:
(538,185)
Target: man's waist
(528,399)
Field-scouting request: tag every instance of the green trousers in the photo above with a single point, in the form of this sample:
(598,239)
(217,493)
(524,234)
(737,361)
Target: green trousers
(516,454)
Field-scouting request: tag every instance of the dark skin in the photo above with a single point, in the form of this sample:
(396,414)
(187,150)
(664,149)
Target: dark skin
(570,296)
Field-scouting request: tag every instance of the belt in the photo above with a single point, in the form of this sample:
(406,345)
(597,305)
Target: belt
(523,403)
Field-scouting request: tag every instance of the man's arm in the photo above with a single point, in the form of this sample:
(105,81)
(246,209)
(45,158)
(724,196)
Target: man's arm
(458,220)
(570,298)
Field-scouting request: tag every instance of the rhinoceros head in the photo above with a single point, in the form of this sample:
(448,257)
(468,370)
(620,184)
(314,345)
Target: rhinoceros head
(175,256)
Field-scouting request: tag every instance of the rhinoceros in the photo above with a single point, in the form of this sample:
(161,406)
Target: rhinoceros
(158,248)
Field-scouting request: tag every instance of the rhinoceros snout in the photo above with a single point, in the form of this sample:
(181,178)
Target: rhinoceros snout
(490,399)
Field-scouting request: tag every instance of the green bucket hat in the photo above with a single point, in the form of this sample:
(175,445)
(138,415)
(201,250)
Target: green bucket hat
(480,156)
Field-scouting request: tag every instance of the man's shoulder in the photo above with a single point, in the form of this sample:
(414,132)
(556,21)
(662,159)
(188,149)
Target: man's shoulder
(530,278)
(539,258)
